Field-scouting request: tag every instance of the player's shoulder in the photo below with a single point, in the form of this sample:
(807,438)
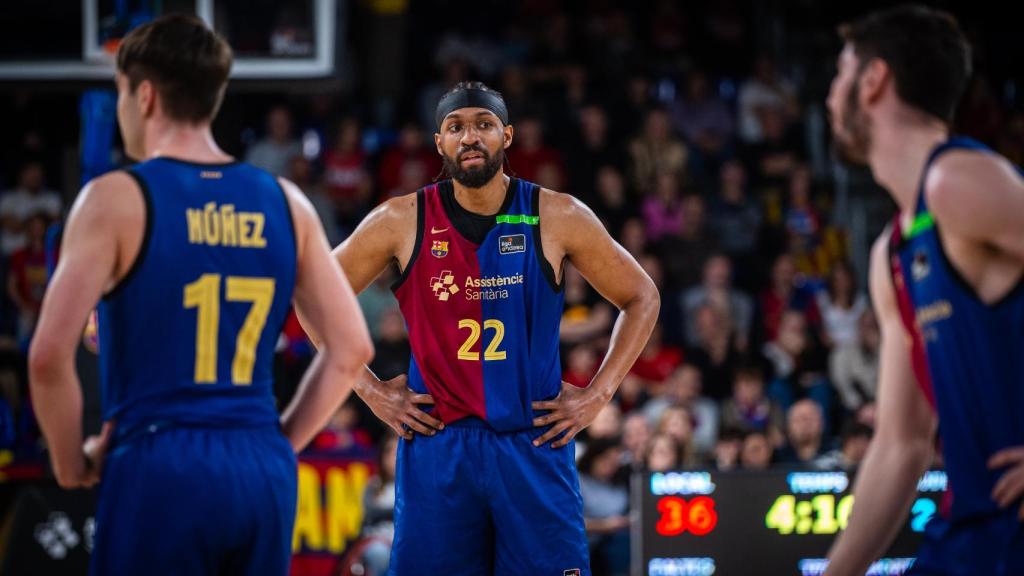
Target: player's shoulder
(110,194)
(964,172)
(561,206)
(394,214)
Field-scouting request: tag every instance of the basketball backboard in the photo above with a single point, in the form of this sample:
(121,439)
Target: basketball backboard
(272,39)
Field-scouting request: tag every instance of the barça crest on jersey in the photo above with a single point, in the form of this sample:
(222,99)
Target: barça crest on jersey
(920,268)
(439,248)
(512,244)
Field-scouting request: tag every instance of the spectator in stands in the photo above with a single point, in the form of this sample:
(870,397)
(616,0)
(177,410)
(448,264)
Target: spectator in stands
(756,451)
(798,364)
(804,434)
(663,208)
(530,153)
(716,354)
(656,151)
(605,506)
(784,293)
(736,222)
(704,121)
(841,306)
(300,171)
(657,361)
(347,176)
(664,454)
(853,368)
(275,150)
(750,409)
(407,165)
(585,315)
(676,422)
(26,277)
(391,344)
(610,201)
(854,440)
(684,255)
(684,389)
(29,198)
(636,436)
(592,150)
(727,450)
(763,92)
(379,509)
(716,290)
(580,364)
(802,222)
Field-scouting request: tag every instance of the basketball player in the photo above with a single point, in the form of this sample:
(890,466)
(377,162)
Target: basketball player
(946,279)
(197,258)
(489,485)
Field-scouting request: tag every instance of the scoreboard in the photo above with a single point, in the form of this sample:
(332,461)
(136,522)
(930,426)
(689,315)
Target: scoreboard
(771,522)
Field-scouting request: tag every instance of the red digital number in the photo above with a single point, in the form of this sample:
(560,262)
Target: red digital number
(677,516)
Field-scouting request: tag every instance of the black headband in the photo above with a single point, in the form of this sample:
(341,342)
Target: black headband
(471,98)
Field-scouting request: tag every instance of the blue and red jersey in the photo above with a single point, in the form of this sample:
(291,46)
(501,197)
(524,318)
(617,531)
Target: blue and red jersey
(483,317)
(967,355)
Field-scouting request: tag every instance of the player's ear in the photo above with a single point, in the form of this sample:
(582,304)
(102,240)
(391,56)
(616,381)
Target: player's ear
(873,79)
(507,135)
(146,94)
(437,143)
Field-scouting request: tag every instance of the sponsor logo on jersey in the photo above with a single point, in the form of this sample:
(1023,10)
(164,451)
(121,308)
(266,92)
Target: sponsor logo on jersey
(933,313)
(439,248)
(443,285)
(571,572)
(512,244)
(920,267)
(437,230)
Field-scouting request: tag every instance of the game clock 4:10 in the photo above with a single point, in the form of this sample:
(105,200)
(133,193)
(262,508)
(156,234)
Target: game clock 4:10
(823,514)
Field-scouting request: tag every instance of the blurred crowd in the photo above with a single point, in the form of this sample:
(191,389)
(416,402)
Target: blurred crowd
(700,143)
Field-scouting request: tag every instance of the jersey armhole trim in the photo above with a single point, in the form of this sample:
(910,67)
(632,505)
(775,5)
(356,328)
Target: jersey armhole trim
(291,225)
(417,244)
(538,246)
(146,234)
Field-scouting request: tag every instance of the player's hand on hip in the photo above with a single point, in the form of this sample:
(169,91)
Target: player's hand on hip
(570,412)
(95,450)
(1010,486)
(399,407)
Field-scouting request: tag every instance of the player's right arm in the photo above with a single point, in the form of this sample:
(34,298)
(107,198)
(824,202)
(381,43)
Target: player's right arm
(903,444)
(386,235)
(330,306)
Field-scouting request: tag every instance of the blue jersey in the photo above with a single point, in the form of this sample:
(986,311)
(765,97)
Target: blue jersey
(188,335)
(968,356)
(483,313)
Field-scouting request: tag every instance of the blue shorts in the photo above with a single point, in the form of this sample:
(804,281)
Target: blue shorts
(472,501)
(197,501)
(992,546)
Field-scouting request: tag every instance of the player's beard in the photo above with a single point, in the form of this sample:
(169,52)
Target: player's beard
(477,176)
(854,141)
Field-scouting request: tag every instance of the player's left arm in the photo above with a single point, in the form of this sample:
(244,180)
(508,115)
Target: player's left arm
(980,197)
(577,235)
(89,262)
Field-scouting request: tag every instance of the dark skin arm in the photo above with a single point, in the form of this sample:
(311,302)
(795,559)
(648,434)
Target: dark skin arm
(580,238)
(385,236)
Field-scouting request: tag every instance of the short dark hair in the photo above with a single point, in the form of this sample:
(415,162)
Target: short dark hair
(187,63)
(470,85)
(928,54)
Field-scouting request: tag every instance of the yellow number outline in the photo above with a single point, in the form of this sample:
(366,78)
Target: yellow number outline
(204,295)
(492,352)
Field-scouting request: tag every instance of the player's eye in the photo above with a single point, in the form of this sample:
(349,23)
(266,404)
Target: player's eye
(484,125)
(454,127)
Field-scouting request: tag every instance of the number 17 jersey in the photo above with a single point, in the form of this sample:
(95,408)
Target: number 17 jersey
(483,318)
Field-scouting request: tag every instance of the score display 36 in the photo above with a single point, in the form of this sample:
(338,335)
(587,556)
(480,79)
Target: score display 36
(773,522)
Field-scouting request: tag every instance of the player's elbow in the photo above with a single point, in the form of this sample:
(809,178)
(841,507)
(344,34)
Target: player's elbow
(349,360)
(647,299)
(44,356)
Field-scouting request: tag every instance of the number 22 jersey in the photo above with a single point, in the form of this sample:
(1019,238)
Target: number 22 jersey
(483,317)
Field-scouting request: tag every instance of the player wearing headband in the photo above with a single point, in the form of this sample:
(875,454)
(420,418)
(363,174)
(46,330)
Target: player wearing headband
(489,485)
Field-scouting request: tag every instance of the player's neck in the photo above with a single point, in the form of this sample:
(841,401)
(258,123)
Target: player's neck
(899,150)
(485,200)
(194,143)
